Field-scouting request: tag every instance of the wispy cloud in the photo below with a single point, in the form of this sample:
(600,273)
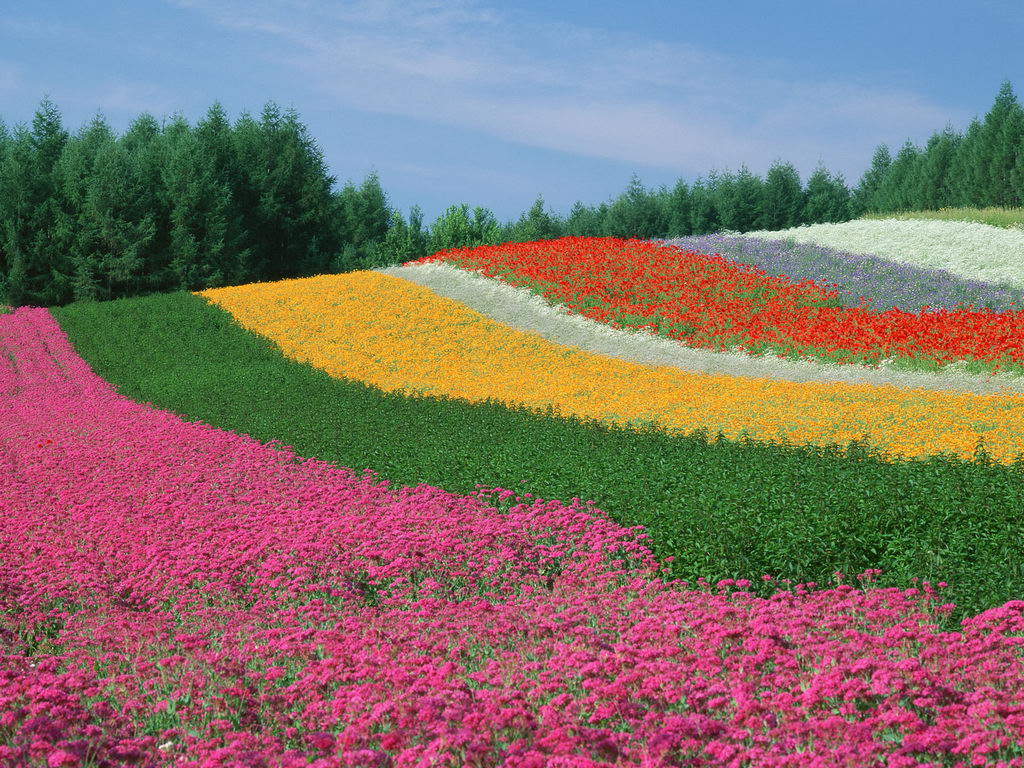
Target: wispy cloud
(572,88)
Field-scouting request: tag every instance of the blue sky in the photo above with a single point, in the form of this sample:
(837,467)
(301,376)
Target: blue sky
(494,103)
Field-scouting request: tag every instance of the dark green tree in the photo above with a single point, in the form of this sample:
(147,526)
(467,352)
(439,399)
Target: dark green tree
(218,146)
(536,224)
(39,270)
(895,193)
(999,143)
(746,202)
(968,182)
(865,196)
(827,198)
(290,214)
(584,221)
(404,241)
(703,207)
(678,213)
(455,228)
(17,207)
(76,239)
(934,187)
(366,212)
(783,197)
(635,213)
(199,254)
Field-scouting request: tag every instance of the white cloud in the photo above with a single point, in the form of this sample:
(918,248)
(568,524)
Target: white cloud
(572,88)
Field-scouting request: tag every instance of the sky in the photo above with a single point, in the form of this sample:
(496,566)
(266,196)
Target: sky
(493,104)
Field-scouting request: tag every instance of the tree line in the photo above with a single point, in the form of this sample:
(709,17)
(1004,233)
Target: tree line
(171,206)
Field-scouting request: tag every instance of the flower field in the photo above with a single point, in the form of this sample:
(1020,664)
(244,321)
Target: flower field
(401,337)
(965,248)
(350,520)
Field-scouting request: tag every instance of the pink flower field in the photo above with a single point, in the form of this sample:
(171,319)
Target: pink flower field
(173,594)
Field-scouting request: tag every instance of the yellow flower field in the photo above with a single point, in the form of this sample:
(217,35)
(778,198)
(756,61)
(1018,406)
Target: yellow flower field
(399,336)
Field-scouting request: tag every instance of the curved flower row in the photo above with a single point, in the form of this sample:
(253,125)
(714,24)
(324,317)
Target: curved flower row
(711,302)
(177,595)
(398,336)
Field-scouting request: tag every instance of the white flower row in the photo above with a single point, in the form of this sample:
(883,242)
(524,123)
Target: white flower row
(524,310)
(969,249)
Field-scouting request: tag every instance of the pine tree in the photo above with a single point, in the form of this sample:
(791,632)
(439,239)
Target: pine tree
(703,206)
(74,173)
(635,213)
(6,141)
(201,211)
(366,212)
(827,198)
(783,197)
(535,224)
(144,151)
(1017,177)
(1008,154)
(895,192)
(119,218)
(17,206)
(45,265)
(215,136)
(678,210)
(934,185)
(724,197)
(583,221)
(866,198)
(968,182)
(748,201)
(998,144)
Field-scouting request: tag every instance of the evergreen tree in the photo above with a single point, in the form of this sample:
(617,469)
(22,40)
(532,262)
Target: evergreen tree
(145,151)
(6,141)
(999,142)
(934,185)
(219,148)
(895,193)
(119,217)
(402,242)
(455,228)
(289,212)
(827,198)
(365,212)
(678,210)
(703,207)
(46,269)
(635,213)
(783,197)
(1017,177)
(535,224)
(748,202)
(968,182)
(74,172)
(866,197)
(17,206)
(723,196)
(198,253)
(584,221)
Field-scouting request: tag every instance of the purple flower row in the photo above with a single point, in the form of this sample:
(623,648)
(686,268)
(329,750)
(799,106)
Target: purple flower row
(885,283)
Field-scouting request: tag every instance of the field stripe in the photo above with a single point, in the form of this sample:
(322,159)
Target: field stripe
(401,337)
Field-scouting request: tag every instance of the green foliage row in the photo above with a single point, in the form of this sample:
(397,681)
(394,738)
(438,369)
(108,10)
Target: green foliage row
(1007,218)
(724,509)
